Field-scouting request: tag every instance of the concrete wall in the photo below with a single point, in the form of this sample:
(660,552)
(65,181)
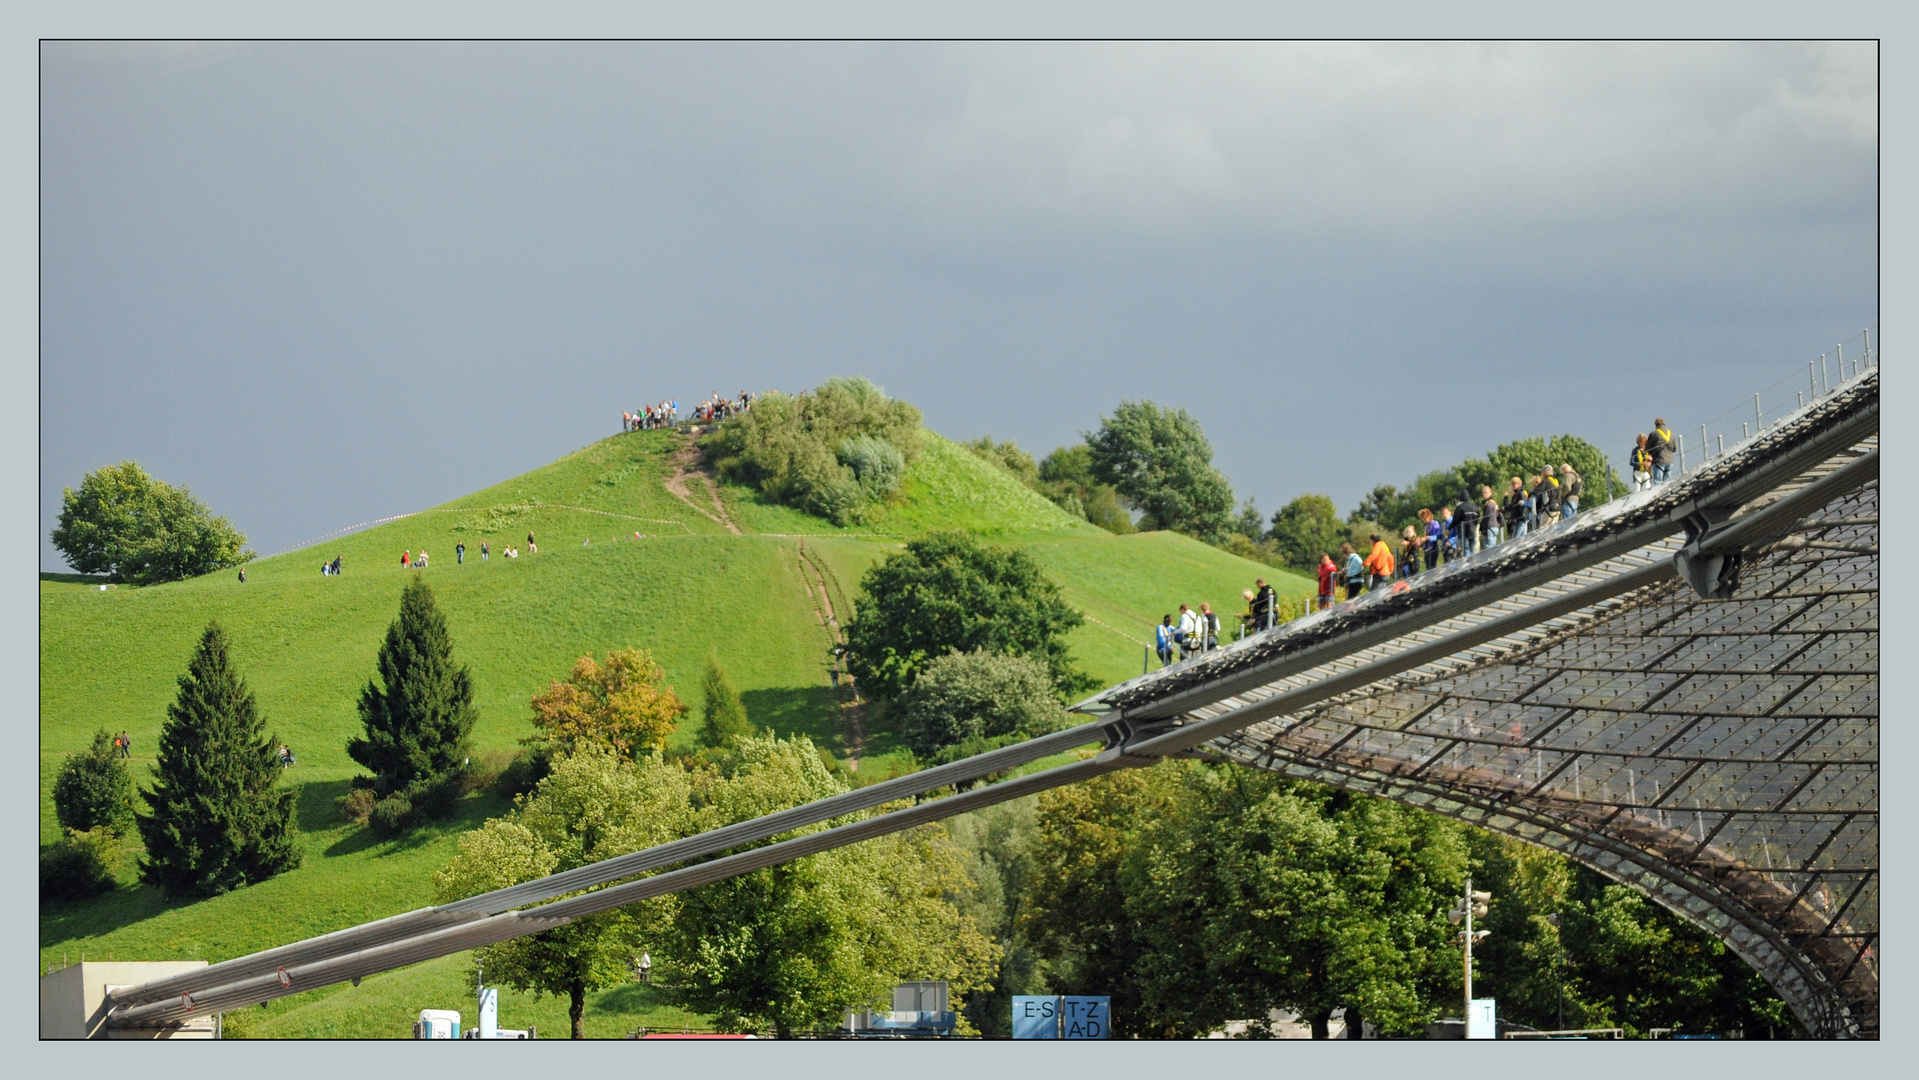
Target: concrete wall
(73,1000)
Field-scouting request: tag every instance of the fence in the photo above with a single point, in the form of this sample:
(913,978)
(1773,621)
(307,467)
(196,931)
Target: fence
(1848,360)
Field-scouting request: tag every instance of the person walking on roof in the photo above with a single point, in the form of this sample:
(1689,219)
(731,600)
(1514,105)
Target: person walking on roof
(1408,552)
(1448,534)
(1435,537)
(1517,506)
(1380,563)
(1571,486)
(1355,570)
(1663,446)
(1327,572)
(1163,636)
(1208,622)
(1489,517)
(1192,635)
(1265,606)
(1466,522)
(1641,461)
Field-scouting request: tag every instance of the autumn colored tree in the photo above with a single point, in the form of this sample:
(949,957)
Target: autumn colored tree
(623,703)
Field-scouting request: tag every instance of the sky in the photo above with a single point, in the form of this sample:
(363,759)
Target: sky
(325,283)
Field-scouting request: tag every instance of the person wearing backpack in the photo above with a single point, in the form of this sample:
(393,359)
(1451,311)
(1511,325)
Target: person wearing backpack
(1208,627)
(1641,460)
(1515,510)
(1662,446)
(1163,636)
(1573,486)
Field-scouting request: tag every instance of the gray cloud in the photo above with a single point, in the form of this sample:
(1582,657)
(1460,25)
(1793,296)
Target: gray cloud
(320,283)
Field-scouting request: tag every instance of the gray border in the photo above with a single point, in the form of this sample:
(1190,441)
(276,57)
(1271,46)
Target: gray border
(19,426)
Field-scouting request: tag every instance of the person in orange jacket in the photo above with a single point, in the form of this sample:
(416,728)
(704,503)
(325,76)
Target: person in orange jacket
(1379,564)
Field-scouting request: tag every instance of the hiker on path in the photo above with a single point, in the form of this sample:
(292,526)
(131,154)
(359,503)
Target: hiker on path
(459,553)
(1327,572)
(125,744)
(1355,570)
(1663,446)
(1265,605)
(1641,461)
(1570,486)
(1380,563)
(243,575)
(1163,635)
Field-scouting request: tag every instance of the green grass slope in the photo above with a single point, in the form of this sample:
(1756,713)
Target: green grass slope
(687,587)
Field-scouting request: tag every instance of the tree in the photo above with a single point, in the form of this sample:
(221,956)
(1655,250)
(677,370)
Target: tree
(979,696)
(1066,477)
(595,804)
(93,790)
(723,715)
(624,704)
(217,821)
(1305,527)
(133,528)
(1394,509)
(796,946)
(949,593)
(1248,523)
(418,708)
(832,451)
(1161,462)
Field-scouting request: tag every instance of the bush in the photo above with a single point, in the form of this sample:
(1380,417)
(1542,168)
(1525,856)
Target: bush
(833,451)
(355,805)
(79,865)
(391,815)
(93,789)
(483,771)
(969,697)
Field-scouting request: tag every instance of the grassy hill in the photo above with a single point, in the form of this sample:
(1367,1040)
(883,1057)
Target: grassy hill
(714,570)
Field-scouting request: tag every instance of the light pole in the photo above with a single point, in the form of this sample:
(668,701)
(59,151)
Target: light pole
(1471,904)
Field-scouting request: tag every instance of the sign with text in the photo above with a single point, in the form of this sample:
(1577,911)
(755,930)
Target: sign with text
(1049,1017)
(1035,1017)
(1482,1019)
(1085,1017)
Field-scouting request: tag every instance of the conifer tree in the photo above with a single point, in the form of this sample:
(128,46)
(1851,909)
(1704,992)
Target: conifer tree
(217,820)
(418,708)
(724,713)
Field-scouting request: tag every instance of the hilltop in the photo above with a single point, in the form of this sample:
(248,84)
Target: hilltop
(715,570)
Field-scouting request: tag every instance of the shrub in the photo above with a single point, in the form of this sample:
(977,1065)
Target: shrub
(79,865)
(93,789)
(436,798)
(724,714)
(391,815)
(355,805)
(974,696)
(483,771)
(832,451)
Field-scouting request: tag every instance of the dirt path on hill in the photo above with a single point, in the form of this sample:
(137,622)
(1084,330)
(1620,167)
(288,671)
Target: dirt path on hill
(689,465)
(852,706)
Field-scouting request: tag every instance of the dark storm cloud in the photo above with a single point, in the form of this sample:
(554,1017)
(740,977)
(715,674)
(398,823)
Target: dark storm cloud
(324,283)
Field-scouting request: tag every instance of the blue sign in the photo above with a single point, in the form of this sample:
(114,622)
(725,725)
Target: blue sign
(1035,1017)
(1085,1017)
(1049,1017)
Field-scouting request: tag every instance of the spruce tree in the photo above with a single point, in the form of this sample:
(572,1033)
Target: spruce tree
(724,713)
(418,708)
(217,819)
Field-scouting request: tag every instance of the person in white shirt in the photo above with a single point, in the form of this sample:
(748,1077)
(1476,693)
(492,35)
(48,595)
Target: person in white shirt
(1192,633)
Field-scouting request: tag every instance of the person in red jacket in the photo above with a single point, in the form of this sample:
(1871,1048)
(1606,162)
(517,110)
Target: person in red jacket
(1327,571)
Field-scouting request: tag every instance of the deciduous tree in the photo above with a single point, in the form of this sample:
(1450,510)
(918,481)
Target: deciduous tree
(134,528)
(1162,463)
(623,703)
(93,790)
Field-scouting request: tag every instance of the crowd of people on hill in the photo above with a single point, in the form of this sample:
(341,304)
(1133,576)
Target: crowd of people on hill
(717,408)
(665,414)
